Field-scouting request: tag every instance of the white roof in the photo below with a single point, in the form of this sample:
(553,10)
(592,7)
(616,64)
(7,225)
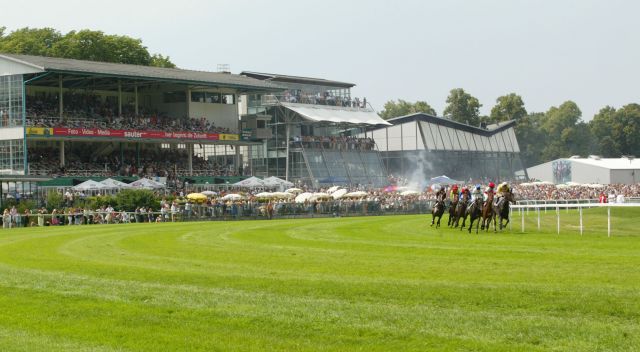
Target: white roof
(250,182)
(610,163)
(90,185)
(336,114)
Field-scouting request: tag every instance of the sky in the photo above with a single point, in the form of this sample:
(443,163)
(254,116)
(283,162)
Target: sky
(546,51)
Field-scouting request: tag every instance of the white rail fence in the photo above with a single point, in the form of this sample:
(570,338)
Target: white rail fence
(523,209)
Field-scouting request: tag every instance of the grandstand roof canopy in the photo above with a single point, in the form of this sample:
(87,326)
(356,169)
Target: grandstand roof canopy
(490,130)
(147,73)
(336,114)
(274,77)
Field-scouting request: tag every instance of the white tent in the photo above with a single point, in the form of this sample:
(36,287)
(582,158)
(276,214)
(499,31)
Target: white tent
(111,183)
(145,183)
(277,182)
(90,185)
(251,182)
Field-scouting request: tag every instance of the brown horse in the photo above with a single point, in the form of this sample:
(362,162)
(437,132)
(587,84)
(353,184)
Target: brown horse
(502,208)
(474,211)
(436,212)
(452,211)
(488,214)
(461,212)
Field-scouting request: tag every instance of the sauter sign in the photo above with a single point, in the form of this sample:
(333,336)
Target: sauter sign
(129,134)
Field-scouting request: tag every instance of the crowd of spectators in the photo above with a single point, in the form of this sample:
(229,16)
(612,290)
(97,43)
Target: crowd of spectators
(530,191)
(152,163)
(88,111)
(324,98)
(335,142)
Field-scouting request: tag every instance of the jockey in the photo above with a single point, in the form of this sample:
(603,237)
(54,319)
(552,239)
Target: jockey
(477,193)
(454,195)
(441,194)
(502,189)
(465,194)
(489,191)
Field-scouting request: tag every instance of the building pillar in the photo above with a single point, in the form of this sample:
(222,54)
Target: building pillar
(237,162)
(250,159)
(188,102)
(190,158)
(62,161)
(286,166)
(119,98)
(135,91)
(60,97)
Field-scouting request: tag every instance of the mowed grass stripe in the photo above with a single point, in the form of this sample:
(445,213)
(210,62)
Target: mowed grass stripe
(375,283)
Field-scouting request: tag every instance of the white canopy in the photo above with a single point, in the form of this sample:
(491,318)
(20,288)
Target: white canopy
(275,182)
(251,182)
(336,114)
(90,185)
(145,183)
(111,183)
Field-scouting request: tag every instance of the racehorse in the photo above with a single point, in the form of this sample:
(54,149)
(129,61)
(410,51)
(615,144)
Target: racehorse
(452,212)
(474,213)
(461,210)
(502,208)
(436,212)
(488,214)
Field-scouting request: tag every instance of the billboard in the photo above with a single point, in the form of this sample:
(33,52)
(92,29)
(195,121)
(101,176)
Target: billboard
(561,171)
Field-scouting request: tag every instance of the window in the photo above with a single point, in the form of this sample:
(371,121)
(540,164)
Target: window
(175,97)
(212,98)
(261,124)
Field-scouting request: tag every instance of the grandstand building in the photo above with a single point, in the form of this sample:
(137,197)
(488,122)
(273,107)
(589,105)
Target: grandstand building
(312,132)
(63,117)
(422,145)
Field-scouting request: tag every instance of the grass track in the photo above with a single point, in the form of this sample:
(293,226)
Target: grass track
(367,284)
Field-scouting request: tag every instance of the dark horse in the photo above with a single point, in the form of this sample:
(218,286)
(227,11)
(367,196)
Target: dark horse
(452,211)
(488,214)
(502,208)
(436,212)
(474,211)
(461,212)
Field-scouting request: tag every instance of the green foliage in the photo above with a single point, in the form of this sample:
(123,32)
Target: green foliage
(333,284)
(82,45)
(462,107)
(508,107)
(402,107)
(566,135)
(55,200)
(130,199)
(617,131)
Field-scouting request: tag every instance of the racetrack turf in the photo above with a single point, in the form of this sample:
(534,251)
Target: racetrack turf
(336,284)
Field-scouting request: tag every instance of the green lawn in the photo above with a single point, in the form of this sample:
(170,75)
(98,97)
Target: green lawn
(363,284)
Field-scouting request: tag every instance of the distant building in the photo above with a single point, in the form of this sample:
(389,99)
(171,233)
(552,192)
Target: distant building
(592,169)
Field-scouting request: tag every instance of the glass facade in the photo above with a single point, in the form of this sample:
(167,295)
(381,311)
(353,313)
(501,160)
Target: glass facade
(11,109)
(12,146)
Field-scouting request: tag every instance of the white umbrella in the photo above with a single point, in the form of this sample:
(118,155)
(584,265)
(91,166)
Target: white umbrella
(333,189)
(302,197)
(409,193)
(282,195)
(264,195)
(209,193)
(339,193)
(357,194)
(319,195)
(294,190)
(232,196)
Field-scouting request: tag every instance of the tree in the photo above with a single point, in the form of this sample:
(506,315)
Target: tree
(508,107)
(402,108)
(531,138)
(565,137)
(82,45)
(617,131)
(29,41)
(462,107)
(158,60)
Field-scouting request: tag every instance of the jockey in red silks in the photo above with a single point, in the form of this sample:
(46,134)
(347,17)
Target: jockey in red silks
(489,191)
